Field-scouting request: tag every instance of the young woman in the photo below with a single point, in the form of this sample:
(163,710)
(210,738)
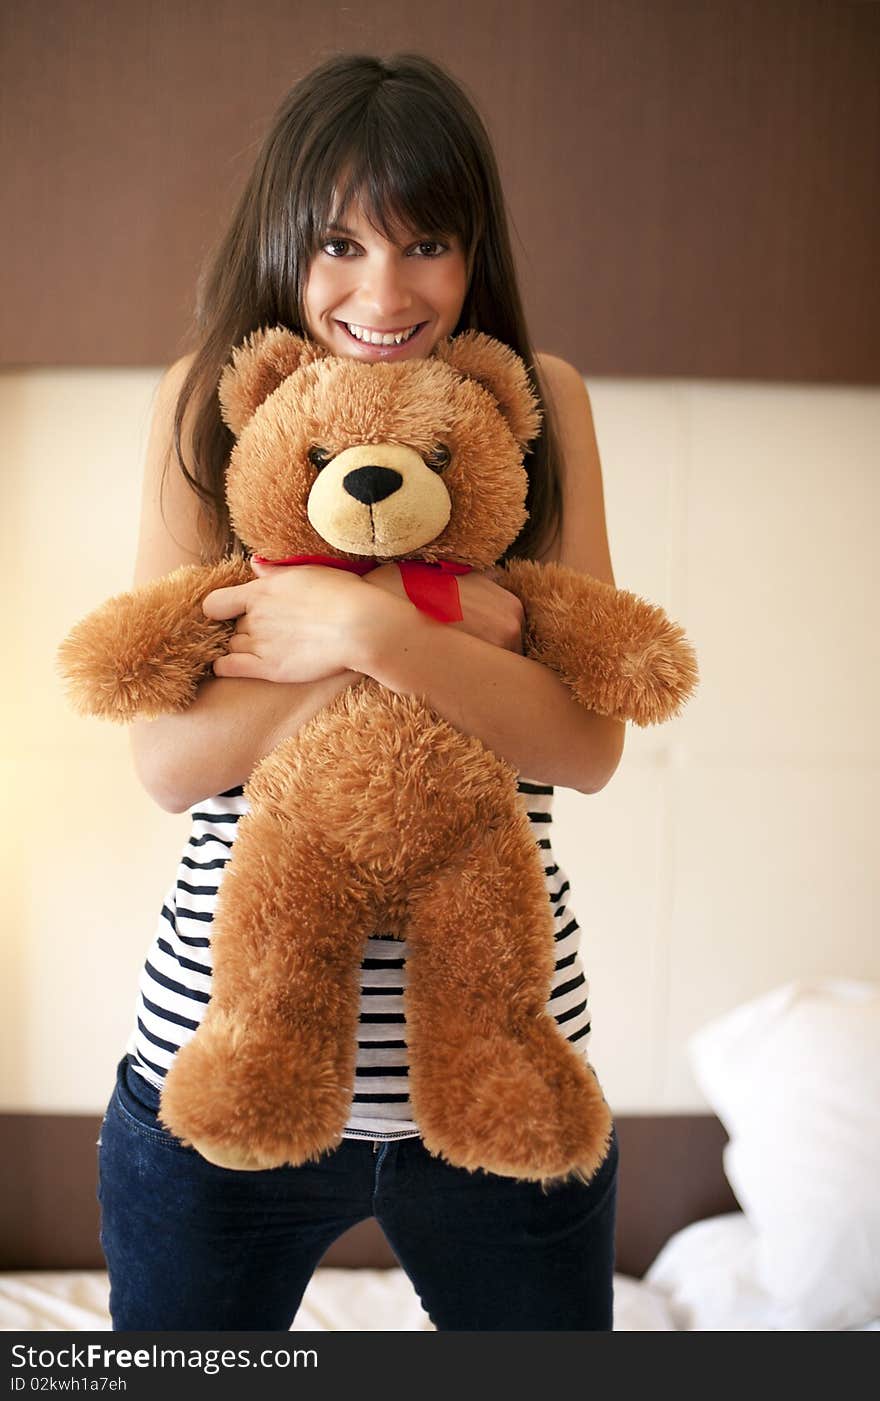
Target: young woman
(374,223)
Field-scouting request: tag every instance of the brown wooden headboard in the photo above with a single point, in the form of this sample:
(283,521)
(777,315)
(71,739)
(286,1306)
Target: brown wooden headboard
(670,1175)
(692,185)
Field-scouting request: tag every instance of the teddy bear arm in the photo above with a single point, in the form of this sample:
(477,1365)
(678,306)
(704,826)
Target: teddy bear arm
(619,655)
(143,653)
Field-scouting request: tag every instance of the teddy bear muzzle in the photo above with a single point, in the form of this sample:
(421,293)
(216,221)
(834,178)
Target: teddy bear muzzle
(379,499)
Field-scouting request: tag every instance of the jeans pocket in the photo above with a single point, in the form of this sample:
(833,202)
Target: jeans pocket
(138,1112)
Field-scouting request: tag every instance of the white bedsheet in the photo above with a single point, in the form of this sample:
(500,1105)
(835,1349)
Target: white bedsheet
(357,1301)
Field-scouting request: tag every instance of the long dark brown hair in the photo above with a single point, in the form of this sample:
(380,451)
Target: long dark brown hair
(409,144)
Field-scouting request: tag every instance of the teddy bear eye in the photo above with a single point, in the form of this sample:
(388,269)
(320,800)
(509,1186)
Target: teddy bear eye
(438,458)
(319,457)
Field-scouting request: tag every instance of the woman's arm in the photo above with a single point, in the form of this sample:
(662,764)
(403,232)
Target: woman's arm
(216,744)
(520,709)
(232,724)
(517,707)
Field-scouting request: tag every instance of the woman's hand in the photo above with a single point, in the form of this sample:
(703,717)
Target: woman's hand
(294,623)
(488,611)
(308,622)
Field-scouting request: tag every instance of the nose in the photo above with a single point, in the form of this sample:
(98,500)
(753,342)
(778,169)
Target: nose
(371,484)
(385,289)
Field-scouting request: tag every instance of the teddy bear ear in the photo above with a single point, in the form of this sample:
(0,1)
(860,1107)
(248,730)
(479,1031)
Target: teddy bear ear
(500,370)
(258,366)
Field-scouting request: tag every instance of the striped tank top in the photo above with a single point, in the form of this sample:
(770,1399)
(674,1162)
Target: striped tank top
(175,982)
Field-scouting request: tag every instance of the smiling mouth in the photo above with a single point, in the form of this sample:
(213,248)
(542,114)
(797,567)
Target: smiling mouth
(387,340)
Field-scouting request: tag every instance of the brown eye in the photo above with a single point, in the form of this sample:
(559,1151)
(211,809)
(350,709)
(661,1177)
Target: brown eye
(319,457)
(438,458)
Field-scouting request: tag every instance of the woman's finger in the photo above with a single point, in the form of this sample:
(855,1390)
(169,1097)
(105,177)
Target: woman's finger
(239,664)
(241,642)
(226,603)
(388,577)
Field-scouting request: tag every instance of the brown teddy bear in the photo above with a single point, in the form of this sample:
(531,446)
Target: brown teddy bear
(378,815)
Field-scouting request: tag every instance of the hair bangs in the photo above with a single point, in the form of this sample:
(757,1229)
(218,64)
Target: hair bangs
(404,187)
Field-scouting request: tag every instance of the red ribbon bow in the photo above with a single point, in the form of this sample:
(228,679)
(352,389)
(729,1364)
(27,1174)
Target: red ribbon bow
(433,588)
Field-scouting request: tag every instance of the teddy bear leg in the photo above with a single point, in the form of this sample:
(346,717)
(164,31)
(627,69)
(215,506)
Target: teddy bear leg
(268,1077)
(493,1081)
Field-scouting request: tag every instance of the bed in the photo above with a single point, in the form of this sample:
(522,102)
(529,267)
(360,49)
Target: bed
(760,1215)
(52,1270)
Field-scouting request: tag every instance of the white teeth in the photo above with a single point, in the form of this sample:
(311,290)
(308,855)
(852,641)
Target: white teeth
(362,333)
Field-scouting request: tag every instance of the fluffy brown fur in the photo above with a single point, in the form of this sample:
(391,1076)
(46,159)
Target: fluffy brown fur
(378,814)
(619,655)
(144,653)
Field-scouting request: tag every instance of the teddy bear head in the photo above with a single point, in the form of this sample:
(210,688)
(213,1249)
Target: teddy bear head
(414,459)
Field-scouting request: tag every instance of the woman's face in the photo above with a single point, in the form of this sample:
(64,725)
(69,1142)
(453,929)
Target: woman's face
(362,289)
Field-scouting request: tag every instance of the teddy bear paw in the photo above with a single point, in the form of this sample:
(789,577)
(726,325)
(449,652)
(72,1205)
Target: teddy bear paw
(531,1108)
(250,1107)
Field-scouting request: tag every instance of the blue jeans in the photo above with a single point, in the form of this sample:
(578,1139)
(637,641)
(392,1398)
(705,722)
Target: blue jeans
(193,1246)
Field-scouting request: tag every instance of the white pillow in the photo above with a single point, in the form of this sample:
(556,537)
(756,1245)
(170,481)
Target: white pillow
(708,1276)
(795,1079)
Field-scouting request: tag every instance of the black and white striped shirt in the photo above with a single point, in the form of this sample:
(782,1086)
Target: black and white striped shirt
(175,982)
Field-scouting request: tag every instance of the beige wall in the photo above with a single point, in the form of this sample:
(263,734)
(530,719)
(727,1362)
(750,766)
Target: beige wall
(732,851)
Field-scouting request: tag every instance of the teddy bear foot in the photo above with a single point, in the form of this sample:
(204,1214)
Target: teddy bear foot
(227,1155)
(249,1107)
(529,1108)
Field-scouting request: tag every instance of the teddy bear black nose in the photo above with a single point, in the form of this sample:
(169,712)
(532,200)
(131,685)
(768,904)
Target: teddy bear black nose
(371,484)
